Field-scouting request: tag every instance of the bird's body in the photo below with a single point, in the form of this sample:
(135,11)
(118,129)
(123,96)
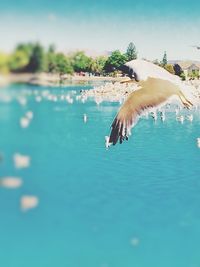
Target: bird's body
(141,70)
(156,87)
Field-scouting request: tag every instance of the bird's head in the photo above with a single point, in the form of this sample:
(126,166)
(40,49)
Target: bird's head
(129,71)
(123,68)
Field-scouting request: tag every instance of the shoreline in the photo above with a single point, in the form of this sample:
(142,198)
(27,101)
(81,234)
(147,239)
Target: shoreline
(104,88)
(47,79)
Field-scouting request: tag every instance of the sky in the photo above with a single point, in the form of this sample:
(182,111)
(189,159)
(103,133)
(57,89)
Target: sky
(154,26)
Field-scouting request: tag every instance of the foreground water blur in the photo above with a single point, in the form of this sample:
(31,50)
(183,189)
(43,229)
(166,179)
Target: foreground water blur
(136,204)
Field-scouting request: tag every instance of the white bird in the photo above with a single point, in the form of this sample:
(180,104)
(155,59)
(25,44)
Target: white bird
(162,115)
(24,122)
(69,99)
(190,117)
(84,118)
(198,142)
(22,100)
(28,202)
(177,111)
(21,161)
(154,115)
(11,182)
(38,98)
(141,70)
(180,119)
(156,87)
(29,115)
(107,144)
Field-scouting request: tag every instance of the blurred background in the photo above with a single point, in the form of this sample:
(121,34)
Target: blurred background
(65,200)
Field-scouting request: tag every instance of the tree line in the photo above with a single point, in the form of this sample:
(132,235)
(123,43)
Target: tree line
(34,58)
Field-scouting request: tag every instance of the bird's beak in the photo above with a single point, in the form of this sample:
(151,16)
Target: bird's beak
(128,81)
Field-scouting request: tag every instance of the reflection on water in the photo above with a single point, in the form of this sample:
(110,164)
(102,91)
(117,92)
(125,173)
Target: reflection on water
(132,205)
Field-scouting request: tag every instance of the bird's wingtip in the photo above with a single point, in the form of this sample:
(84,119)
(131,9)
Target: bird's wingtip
(119,132)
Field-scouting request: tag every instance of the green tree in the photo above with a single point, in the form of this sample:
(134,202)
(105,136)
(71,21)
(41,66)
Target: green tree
(18,61)
(114,61)
(169,68)
(27,48)
(37,59)
(51,62)
(164,60)
(63,64)
(81,62)
(183,76)
(52,49)
(20,58)
(131,52)
(97,65)
(93,66)
(4,63)
(194,74)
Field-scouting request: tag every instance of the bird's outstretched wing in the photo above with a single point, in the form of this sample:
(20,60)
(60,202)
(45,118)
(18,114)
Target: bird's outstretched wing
(153,92)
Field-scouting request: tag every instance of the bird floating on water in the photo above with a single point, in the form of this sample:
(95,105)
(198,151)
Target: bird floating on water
(198,142)
(21,161)
(180,119)
(24,122)
(28,202)
(84,118)
(154,115)
(162,115)
(11,182)
(156,87)
(190,117)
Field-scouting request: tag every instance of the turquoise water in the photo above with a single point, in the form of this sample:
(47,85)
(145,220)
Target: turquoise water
(136,204)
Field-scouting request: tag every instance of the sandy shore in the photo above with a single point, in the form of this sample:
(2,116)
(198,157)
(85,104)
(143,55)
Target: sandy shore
(47,79)
(110,90)
(3,80)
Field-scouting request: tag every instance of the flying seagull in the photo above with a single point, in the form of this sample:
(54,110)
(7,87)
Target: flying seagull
(156,86)
(139,70)
(196,46)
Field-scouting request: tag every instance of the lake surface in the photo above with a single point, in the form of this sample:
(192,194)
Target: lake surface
(136,204)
